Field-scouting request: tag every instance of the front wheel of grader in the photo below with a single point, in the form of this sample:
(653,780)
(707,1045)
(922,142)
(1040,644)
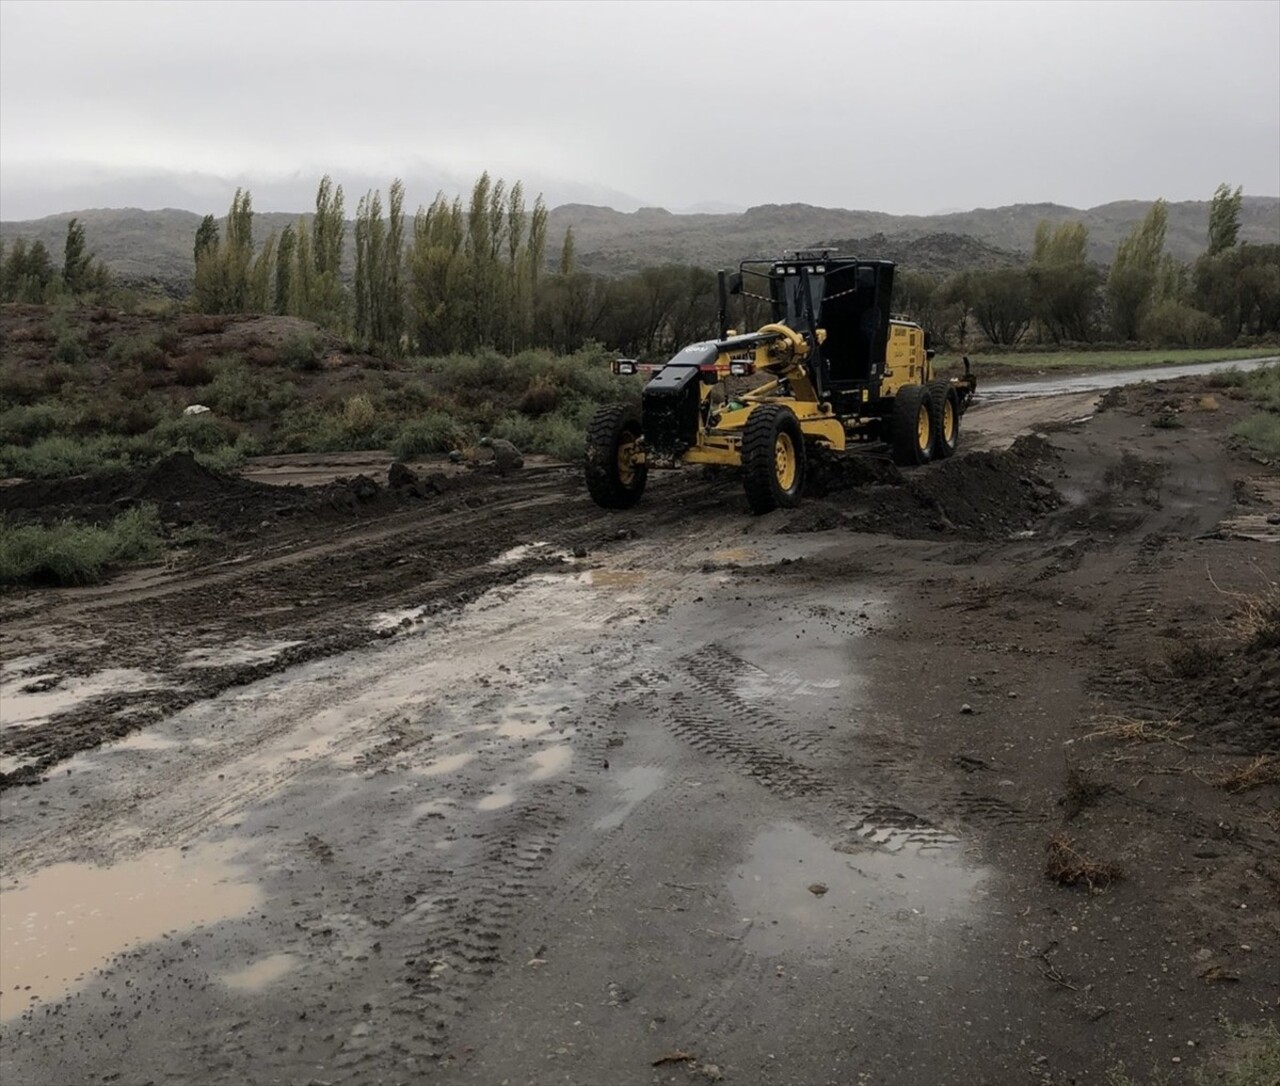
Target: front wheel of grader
(773,458)
(615,472)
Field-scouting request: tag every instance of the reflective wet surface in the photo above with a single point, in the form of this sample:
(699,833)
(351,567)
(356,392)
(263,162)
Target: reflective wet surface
(60,924)
(1102,380)
(797,893)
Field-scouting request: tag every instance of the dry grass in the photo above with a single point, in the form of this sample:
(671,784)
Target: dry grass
(1208,403)
(1069,867)
(1256,622)
(1263,770)
(1126,729)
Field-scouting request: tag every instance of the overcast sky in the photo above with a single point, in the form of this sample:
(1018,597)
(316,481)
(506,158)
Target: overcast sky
(908,107)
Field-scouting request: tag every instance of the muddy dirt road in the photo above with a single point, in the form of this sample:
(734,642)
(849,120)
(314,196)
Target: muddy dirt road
(488,786)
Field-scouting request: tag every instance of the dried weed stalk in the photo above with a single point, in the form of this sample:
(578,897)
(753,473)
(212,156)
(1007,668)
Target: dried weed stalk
(1263,770)
(1127,729)
(1068,867)
(1256,622)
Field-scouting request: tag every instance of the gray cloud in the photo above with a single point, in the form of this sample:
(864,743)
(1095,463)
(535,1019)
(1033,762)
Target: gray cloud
(900,107)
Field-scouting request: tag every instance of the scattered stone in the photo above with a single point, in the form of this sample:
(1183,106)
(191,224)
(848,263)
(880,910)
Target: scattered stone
(817,889)
(401,475)
(966,709)
(363,488)
(506,457)
(580,551)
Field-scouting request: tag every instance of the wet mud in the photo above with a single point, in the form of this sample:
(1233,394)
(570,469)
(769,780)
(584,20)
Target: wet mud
(495,786)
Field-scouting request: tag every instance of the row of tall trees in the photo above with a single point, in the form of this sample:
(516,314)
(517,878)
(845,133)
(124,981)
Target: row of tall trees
(28,274)
(461,276)
(1145,295)
(457,278)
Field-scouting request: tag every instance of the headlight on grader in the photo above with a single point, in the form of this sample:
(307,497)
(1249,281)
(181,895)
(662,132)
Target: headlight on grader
(624,367)
(741,369)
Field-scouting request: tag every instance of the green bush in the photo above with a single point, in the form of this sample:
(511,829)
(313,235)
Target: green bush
(144,352)
(229,458)
(1263,386)
(195,433)
(70,553)
(560,435)
(242,393)
(434,432)
(216,442)
(302,351)
(1228,378)
(1175,324)
(1261,433)
(70,348)
(58,456)
(22,425)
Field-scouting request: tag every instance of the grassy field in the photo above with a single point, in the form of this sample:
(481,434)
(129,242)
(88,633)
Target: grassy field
(1014,363)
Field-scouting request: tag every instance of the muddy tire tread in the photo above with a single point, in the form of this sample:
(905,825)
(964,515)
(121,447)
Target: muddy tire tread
(603,483)
(759,478)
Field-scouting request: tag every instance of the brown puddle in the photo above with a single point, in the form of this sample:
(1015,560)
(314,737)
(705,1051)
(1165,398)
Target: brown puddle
(69,919)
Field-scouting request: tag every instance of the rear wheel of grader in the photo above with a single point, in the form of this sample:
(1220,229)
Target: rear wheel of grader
(946,419)
(911,426)
(773,460)
(615,479)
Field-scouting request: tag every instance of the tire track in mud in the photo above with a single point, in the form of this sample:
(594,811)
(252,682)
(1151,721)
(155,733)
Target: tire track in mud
(455,938)
(474,926)
(723,726)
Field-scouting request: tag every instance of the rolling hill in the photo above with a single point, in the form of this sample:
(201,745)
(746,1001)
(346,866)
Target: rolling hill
(155,247)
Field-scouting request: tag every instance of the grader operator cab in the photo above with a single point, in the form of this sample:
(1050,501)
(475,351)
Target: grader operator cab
(832,373)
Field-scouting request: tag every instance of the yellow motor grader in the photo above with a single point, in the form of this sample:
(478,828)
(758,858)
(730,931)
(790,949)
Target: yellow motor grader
(832,372)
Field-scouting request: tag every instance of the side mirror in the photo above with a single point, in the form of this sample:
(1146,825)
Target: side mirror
(735,283)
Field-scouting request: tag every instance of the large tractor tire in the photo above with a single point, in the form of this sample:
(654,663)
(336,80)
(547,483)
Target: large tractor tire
(614,479)
(911,426)
(773,460)
(946,419)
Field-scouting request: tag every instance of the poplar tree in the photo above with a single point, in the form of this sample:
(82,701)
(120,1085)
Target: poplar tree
(76,260)
(327,298)
(1132,281)
(1064,286)
(284,269)
(1224,218)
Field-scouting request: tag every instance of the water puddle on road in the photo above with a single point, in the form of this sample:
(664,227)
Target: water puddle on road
(26,700)
(402,619)
(1102,380)
(528,550)
(450,763)
(265,971)
(238,653)
(550,762)
(69,919)
(635,784)
(798,894)
(613,578)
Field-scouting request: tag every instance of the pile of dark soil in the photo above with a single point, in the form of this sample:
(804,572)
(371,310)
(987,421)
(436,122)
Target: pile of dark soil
(984,495)
(186,492)
(1237,707)
(182,489)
